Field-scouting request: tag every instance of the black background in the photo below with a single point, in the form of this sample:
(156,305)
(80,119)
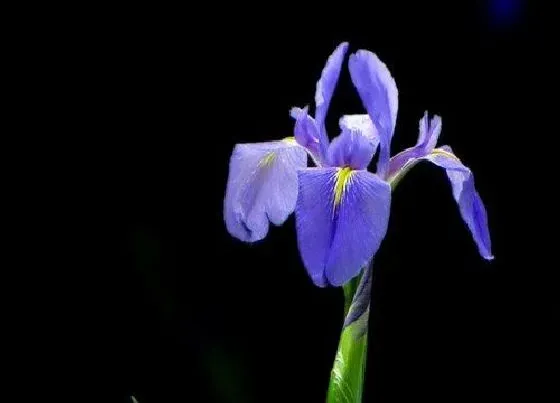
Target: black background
(177,310)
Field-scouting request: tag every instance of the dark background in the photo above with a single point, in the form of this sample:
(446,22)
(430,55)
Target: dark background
(177,310)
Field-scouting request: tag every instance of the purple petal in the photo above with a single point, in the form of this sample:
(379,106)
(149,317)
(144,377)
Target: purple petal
(296,112)
(470,204)
(422,128)
(361,124)
(361,226)
(306,132)
(356,145)
(398,161)
(325,88)
(429,132)
(314,219)
(352,149)
(379,95)
(341,219)
(261,187)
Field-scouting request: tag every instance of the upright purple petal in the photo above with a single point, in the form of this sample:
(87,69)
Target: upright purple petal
(306,132)
(341,219)
(351,148)
(470,204)
(428,134)
(423,128)
(379,95)
(325,89)
(296,112)
(361,124)
(262,187)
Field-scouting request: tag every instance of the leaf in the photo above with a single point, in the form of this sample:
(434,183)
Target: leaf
(360,300)
(349,291)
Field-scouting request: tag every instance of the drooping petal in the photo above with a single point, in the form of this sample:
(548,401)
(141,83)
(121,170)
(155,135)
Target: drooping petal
(325,88)
(379,95)
(351,148)
(306,132)
(314,219)
(262,187)
(465,194)
(361,225)
(341,219)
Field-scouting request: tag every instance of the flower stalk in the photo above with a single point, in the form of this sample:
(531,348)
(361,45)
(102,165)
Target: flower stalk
(348,372)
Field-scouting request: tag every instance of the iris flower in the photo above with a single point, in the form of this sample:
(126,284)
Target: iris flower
(341,209)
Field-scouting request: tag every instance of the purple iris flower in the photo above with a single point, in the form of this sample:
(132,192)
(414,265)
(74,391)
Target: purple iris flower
(341,209)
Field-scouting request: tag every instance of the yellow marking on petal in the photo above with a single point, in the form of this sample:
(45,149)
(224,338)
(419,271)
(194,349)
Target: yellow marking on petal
(343,176)
(267,160)
(290,140)
(439,151)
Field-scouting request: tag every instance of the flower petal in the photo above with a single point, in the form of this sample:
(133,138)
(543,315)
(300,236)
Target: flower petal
(428,134)
(351,148)
(379,95)
(325,88)
(262,187)
(361,226)
(470,204)
(361,124)
(422,128)
(306,132)
(341,219)
(398,162)
(314,219)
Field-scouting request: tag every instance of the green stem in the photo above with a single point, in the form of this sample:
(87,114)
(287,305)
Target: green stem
(347,375)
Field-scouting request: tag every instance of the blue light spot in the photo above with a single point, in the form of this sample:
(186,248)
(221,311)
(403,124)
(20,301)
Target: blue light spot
(505,12)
